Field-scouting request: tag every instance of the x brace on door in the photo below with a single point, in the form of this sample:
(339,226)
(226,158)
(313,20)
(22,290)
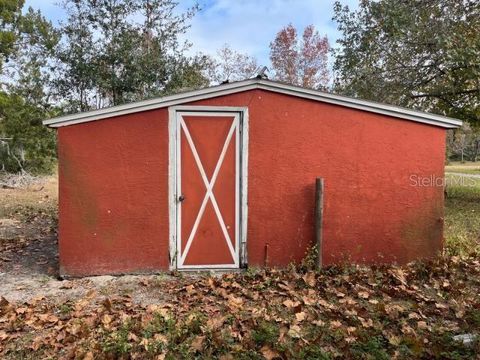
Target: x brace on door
(209,195)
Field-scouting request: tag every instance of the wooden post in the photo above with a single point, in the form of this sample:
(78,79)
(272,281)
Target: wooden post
(266,260)
(319,190)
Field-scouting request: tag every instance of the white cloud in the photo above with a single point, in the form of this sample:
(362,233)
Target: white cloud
(250,25)
(247,25)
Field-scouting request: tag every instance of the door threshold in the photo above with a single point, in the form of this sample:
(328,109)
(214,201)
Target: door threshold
(212,270)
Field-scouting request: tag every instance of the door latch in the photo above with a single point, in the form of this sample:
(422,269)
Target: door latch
(181,198)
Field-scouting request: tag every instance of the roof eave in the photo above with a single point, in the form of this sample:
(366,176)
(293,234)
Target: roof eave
(226,89)
(379,108)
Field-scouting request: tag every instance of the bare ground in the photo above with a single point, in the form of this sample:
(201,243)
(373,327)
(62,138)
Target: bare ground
(29,253)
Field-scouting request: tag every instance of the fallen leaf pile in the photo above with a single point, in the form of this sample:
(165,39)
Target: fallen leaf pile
(341,312)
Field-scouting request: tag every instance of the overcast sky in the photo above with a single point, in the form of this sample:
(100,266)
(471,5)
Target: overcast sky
(247,25)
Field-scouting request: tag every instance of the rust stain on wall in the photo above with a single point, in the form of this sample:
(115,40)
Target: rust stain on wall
(422,227)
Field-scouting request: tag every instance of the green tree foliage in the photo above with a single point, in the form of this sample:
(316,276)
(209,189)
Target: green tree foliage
(25,144)
(186,73)
(117,51)
(416,53)
(75,56)
(161,60)
(107,52)
(10,13)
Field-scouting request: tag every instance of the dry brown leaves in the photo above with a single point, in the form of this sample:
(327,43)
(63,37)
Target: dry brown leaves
(409,312)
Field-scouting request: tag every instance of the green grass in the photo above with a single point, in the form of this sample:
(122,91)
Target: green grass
(462,215)
(464,168)
(265,333)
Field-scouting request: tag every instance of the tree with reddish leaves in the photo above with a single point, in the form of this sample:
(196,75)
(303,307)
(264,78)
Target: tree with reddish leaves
(300,62)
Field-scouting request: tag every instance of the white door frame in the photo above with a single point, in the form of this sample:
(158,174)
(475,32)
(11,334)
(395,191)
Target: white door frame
(174,181)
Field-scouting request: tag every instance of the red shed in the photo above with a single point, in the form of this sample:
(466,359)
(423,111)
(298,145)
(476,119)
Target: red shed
(224,177)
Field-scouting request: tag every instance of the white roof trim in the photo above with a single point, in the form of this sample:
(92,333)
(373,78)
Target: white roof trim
(231,88)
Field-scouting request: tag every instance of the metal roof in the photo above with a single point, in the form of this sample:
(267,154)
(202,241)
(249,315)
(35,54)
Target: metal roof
(252,84)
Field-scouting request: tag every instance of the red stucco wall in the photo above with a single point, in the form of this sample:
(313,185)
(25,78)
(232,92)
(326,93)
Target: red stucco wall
(114,186)
(113,195)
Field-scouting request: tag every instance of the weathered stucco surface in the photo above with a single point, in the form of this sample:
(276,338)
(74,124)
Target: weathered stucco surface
(114,186)
(114,195)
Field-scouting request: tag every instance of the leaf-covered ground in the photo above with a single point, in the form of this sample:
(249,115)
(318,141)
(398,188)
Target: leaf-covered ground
(342,312)
(377,313)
